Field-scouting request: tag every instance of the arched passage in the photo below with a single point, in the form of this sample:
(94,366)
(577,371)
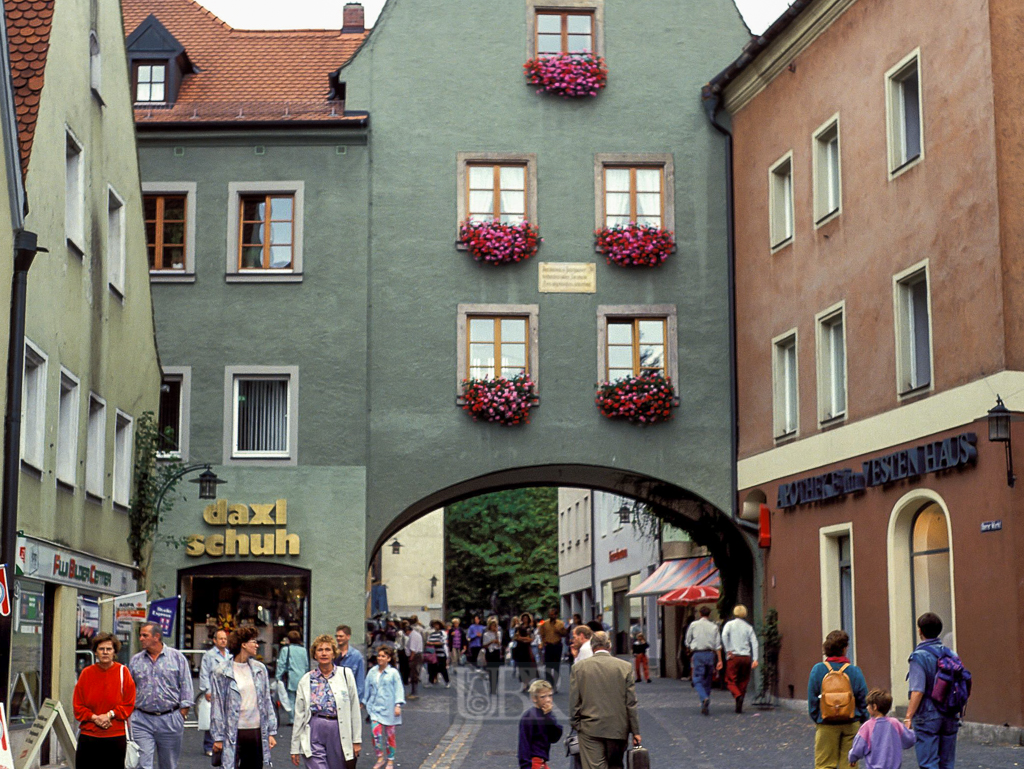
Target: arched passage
(705,523)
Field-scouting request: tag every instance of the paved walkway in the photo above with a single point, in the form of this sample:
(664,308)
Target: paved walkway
(463,728)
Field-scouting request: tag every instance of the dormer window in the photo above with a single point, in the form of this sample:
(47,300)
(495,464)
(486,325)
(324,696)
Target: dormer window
(150,82)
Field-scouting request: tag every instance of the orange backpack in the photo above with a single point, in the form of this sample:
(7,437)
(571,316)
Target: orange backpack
(837,702)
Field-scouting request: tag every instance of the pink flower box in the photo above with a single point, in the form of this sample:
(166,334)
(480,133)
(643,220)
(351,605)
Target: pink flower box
(505,401)
(641,400)
(495,242)
(635,245)
(568,75)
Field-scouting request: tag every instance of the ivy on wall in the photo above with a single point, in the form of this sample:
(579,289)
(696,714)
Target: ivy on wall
(151,476)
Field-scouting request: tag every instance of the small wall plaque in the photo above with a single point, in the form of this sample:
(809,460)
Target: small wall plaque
(991,526)
(566,277)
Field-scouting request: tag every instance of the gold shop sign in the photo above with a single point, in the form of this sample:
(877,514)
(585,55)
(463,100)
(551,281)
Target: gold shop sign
(256,543)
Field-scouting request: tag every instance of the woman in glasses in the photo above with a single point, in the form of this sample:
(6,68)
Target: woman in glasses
(242,718)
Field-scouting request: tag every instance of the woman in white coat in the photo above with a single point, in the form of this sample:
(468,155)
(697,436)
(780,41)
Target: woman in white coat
(327,730)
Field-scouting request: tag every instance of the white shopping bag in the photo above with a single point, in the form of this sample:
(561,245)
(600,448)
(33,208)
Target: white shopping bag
(282,696)
(203,713)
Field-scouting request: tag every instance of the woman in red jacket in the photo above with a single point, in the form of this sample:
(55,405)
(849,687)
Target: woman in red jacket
(104,698)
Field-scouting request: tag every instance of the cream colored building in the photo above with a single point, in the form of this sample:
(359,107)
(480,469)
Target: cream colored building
(575,552)
(415,576)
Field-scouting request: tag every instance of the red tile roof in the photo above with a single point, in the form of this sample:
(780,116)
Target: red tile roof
(28,32)
(245,75)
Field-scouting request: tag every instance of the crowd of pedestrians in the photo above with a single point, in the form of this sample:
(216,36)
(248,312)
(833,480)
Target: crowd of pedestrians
(145,703)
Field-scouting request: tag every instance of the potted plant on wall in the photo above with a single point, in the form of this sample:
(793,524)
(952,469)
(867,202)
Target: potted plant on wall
(635,245)
(569,75)
(771,639)
(506,401)
(646,399)
(496,242)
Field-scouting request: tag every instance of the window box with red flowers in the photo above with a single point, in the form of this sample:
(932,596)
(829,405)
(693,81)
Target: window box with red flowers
(568,75)
(641,400)
(635,245)
(497,242)
(505,401)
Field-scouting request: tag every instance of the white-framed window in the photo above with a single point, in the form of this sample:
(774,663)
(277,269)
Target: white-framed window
(115,241)
(169,211)
(828,188)
(831,328)
(780,201)
(904,112)
(67,428)
(96,447)
(264,238)
(95,69)
(912,310)
(74,193)
(835,544)
(785,385)
(33,407)
(175,412)
(262,415)
(123,451)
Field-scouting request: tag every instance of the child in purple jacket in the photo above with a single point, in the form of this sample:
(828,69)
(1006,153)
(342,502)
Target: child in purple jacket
(881,740)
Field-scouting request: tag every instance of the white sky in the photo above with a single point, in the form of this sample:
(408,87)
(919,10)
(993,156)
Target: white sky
(326,14)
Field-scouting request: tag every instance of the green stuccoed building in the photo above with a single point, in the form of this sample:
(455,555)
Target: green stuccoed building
(319,304)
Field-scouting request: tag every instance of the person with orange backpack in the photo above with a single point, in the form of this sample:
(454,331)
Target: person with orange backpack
(837,703)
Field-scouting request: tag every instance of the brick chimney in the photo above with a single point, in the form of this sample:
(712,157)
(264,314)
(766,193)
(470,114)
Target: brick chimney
(354,19)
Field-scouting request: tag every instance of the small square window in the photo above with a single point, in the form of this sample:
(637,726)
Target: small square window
(785,385)
(96,448)
(913,331)
(266,225)
(827,179)
(637,339)
(496,341)
(904,113)
(150,82)
(115,241)
(564,26)
(634,188)
(261,416)
(780,201)
(33,407)
(831,365)
(67,429)
(123,453)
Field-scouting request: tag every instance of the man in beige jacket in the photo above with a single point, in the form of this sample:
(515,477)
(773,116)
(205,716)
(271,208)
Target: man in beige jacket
(602,706)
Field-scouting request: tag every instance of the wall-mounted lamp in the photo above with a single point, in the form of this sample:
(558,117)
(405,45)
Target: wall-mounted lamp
(208,483)
(999,418)
(396,547)
(433,585)
(625,514)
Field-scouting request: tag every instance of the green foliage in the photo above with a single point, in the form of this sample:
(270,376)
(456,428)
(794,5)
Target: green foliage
(771,644)
(150,477)
(505,542)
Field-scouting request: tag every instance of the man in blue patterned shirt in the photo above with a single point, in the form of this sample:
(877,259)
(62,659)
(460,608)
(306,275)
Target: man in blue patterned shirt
(350,657)
(163,696)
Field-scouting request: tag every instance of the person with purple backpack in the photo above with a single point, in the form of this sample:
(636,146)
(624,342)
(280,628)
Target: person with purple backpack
(939,686)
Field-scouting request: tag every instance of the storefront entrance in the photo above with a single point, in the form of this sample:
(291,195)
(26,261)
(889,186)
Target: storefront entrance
(270,597)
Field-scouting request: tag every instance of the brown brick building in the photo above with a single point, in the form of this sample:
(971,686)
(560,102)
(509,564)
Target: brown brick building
(878,280)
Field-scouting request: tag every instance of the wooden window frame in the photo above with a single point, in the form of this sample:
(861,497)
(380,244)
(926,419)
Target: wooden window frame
(595,7)
(175,189)
(232,270)
(635,342)
(663,160)
(564,14)
(267,223)
(135,79)
(497,319)
(613,313)
(465,159)
(496,186)
(531,312)
(159,222)
(632,188)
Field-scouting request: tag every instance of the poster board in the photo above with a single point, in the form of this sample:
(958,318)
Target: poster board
(51,718)
(128,609)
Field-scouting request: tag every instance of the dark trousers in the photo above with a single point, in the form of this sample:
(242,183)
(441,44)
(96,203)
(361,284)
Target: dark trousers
(403,666)
(552,662)
(493,668)
(249,750)
(100,751)
(601,753)
(474,655)
(438,668)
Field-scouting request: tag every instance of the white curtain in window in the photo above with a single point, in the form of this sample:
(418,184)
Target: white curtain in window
(616,199)
(648,196)
(262,421)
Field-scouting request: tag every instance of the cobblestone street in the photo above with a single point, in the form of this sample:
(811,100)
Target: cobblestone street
(462,727)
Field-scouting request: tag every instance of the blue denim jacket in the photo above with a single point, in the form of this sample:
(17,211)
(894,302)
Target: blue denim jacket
(226,704)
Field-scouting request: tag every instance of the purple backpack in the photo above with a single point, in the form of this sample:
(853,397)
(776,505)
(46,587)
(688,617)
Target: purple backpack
(952,686)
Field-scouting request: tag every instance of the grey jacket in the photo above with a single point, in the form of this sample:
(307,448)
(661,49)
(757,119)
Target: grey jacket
(602,698)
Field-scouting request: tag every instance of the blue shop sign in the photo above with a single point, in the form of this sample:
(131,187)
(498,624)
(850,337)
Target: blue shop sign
(958,451)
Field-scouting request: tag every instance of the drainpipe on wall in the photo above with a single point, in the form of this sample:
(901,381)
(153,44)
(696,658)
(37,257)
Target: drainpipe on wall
(712,100)
(25,249)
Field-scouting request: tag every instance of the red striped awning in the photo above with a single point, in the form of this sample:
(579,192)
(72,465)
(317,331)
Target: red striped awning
(672,575)
(690,596)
